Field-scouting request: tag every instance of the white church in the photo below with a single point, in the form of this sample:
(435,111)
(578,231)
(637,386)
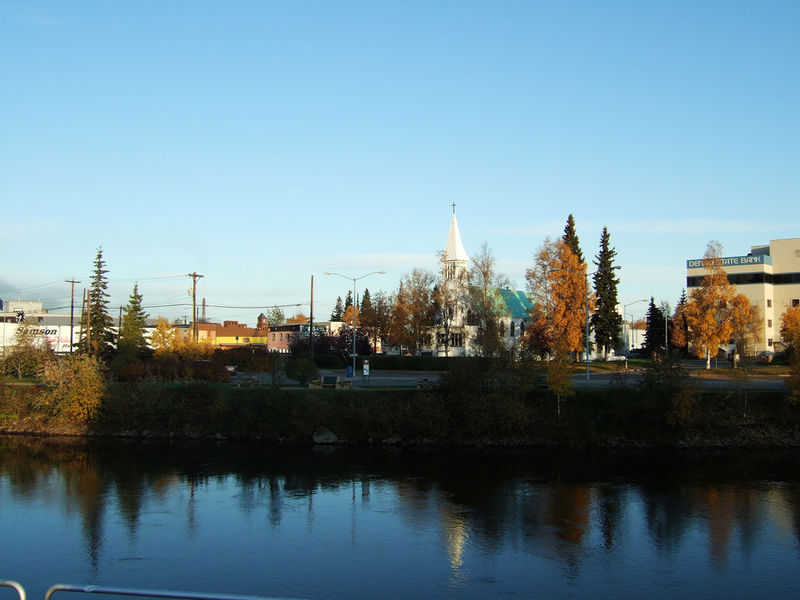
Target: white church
(455,266)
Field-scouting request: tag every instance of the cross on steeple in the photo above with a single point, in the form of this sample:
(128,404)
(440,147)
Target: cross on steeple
(454,208)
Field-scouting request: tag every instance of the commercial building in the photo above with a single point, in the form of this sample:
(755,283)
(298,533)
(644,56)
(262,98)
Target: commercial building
(52,328)
(769,275)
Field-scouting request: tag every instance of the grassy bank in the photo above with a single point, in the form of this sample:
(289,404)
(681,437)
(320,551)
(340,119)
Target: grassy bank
(500,415)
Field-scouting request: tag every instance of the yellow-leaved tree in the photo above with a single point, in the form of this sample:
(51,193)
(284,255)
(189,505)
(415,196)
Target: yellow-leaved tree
(163,338)
(557,282)
(75,386)
(715,313)
(790,333)
(414,310)
(790,328)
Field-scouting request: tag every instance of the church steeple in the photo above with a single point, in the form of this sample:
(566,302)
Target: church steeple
(454,259)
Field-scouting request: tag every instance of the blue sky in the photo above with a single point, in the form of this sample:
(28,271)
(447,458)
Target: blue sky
(261,143)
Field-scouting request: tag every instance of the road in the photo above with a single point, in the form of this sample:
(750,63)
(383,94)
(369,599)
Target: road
(411,379)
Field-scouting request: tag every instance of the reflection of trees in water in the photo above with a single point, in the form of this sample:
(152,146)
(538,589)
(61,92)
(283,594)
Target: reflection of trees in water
(667,512)
(610,506)
(544,502)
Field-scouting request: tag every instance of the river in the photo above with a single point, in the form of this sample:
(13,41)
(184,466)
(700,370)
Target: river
(336,523)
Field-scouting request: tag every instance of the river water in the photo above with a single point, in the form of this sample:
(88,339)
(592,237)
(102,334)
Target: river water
(357,523)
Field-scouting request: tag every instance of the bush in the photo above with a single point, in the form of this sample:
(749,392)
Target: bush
(74,387)
(301,370)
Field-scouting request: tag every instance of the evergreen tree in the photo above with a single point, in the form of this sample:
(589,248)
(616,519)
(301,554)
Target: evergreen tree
(275,316)
(654,334)
(338,310)
(348,301)
(366,301)
(97,336)
(571,238)
(679,326)
(131,336)
(606,321)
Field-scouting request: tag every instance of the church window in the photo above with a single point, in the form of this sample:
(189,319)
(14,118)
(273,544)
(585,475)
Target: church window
(511,330)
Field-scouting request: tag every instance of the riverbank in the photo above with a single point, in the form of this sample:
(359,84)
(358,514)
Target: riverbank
(615,416)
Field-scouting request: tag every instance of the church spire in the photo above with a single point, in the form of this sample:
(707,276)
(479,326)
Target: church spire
(454,258)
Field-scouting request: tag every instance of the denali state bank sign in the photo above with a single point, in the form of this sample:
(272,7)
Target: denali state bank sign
(733,261)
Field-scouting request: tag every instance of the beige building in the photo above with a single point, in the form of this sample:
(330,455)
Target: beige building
(769,276)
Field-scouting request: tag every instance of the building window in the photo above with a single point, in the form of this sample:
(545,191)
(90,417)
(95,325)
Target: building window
(273,337)
(769,302)
(457,339)
(769,322)
(795,302)
(769,342)
(511,329)
(521,328)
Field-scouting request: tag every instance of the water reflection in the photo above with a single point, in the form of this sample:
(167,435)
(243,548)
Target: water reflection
(562,507)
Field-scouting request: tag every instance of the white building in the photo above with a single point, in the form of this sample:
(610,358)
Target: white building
(455,265)
(51,327)
(769,276)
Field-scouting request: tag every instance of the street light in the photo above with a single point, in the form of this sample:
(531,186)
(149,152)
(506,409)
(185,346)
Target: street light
(355,306)
(630,327)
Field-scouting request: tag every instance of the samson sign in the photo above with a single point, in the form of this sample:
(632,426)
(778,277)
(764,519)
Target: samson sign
(57,336)
(733,261)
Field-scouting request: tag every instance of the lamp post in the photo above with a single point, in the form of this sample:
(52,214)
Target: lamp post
(355,306)
(630,326)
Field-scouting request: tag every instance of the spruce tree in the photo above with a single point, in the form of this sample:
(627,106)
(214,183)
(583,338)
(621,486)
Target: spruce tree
(571,238)
(654,334)
(348,301)
(338,310)
(366,301)
(276,316)
(97,336)
(606,321)
(131,336)
(679,326)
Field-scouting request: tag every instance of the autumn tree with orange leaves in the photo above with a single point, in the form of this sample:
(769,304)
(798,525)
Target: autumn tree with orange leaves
(790,328)
(715,313)
(790,333)
(557,283)
(413,311)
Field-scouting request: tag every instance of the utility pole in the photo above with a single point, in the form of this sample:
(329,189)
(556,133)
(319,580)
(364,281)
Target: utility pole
(195,277)
(83,314)
(71,310)
(88,323)
(311,325)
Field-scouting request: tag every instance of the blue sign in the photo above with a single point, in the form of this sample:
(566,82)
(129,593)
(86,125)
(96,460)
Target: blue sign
(733,261)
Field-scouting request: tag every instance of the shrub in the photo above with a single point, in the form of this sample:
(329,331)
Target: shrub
(74,387)
(301,370)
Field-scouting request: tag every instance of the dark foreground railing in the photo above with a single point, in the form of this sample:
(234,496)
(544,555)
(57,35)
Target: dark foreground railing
(116,591)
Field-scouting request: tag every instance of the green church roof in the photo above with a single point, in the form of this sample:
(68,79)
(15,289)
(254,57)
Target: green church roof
(517,303)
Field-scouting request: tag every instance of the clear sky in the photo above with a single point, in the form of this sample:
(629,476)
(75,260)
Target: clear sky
(260,143)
